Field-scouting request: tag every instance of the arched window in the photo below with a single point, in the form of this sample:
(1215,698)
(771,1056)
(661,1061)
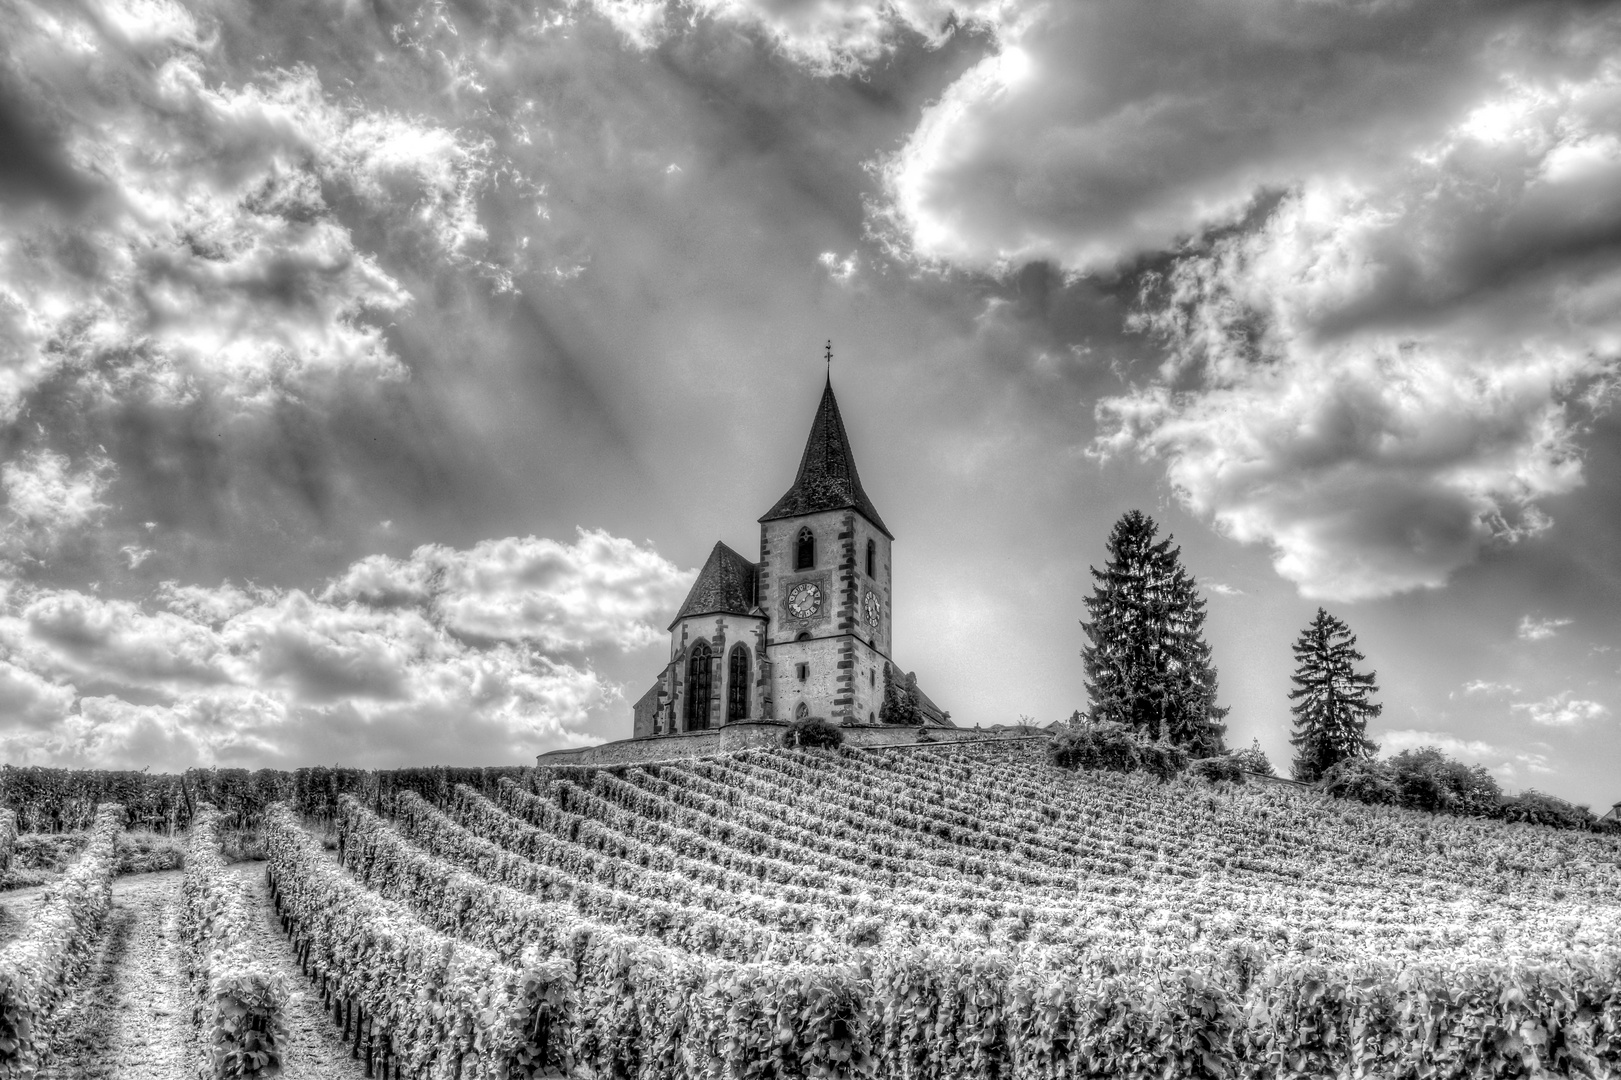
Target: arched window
(805,550)
(698,687)
(802,712)
(804,635)
(872,558)
(737,684)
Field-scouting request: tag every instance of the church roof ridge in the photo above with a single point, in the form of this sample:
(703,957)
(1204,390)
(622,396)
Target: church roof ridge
(827,478)
(725,586)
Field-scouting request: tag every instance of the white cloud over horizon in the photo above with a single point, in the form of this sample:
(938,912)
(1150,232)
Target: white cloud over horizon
(479,655)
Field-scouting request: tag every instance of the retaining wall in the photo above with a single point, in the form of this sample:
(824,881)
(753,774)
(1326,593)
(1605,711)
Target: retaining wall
(746,736)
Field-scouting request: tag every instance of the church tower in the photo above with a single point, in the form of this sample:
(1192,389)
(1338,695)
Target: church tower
(806,630)
(823,581)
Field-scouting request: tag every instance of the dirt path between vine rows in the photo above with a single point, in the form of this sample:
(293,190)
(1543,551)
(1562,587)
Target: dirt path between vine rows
(129,1017)
(315,1047)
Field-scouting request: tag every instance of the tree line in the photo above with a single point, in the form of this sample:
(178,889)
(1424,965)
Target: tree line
(1151,689)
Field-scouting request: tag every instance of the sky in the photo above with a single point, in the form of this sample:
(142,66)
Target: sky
(375,376)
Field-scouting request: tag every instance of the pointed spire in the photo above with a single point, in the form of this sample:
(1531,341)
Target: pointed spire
(827,477)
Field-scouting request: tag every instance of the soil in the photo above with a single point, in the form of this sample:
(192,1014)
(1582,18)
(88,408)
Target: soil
(315,1047)
(131,1016)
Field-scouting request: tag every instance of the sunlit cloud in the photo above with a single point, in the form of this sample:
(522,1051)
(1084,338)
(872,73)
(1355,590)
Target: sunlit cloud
(1532,629)
(475,655)
(1563,709)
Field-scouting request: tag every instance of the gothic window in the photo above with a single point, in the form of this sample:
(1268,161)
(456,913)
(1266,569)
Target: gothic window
(802,711)
(805,550)
(872,559)
(804,635)
(698,687)
(737,684)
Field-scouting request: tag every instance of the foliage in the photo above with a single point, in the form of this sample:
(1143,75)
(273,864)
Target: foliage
(240,1007)
(38,969)
(813,732)
(1429,780)
(437,1007)
(56,801)
(1101,744)
(1332,699)
(1147,664)
(1254,759)
(1114,747)
(1226,767)
(900,704)
(1363,779)
(8,838)
(1534,807)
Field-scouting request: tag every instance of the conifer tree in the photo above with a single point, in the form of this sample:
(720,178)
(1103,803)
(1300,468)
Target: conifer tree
(1332,699)
(1148,666)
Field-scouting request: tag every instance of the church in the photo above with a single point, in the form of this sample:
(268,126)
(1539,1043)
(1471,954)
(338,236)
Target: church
(803,632)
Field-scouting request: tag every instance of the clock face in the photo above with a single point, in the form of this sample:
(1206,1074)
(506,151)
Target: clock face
(873,610)
(804,600)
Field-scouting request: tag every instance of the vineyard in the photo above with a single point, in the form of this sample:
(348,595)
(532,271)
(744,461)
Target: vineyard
(908,913)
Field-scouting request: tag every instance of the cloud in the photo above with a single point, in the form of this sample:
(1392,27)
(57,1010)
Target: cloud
(48,503)
(835,37)
(1394,742)
(475,655)
(1561,710)
(1223,589)
(1102,131)
(206,255)
(1539,629)
(1488,689)
(1387,373)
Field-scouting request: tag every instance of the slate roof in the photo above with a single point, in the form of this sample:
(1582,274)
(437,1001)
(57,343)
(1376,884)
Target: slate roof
(827,477)
(726,585)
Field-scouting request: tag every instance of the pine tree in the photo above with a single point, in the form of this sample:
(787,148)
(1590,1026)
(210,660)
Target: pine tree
(1332,699)
(1148,665)
(900,704)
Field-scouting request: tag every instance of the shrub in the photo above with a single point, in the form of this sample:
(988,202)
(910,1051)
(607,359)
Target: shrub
(813,731)
(1103,745)
(1429,780)
(1254,759)
(1535,808)
(1363,779)
(1221,767)
(1163,759)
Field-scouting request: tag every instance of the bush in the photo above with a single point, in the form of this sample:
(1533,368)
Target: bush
(1163,759)
(1254,759)
(1222,767)
(1427,779)
(1363,779)
(1535,808)
(813,731)
(1104,745)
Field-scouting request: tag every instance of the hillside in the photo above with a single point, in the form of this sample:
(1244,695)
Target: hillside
(940,912)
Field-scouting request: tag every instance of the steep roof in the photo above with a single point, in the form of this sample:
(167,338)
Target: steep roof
(827,477)
(725,586)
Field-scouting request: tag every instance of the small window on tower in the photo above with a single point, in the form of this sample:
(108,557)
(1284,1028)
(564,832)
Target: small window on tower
(872,676)
(805,550)
(804,635)
(804,672)
(872,559)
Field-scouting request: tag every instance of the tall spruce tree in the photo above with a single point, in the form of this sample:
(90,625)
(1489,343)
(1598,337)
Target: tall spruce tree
(1148,665)
(1332,699)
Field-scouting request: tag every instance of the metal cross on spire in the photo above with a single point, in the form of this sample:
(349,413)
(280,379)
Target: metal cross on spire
(829,357)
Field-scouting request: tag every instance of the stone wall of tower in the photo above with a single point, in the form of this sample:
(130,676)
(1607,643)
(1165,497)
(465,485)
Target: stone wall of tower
(844,655)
